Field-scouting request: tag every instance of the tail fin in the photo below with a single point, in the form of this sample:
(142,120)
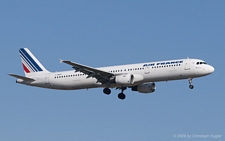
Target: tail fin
(30,63)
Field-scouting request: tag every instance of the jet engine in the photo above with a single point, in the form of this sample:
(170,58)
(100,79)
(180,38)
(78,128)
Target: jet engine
(124,79)
(145,88)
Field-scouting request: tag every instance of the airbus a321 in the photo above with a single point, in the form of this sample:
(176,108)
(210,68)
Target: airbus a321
(139,77)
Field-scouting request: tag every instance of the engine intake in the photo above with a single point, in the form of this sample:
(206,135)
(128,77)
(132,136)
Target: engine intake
(124,79)
(145,88)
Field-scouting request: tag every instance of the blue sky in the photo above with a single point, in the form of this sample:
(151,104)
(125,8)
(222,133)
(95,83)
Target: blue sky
(103,33)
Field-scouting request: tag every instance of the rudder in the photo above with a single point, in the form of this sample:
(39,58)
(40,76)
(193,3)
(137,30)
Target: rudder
(30,63)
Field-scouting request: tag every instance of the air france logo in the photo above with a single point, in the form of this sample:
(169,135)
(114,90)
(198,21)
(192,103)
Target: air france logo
(163,63)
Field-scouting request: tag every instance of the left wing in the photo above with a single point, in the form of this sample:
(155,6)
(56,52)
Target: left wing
(101,76)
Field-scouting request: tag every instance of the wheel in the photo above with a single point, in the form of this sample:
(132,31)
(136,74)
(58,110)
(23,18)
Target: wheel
(121,96)
(191,86)
(106,91)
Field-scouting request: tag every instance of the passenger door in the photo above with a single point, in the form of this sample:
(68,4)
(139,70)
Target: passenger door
(187,64)
(147,70)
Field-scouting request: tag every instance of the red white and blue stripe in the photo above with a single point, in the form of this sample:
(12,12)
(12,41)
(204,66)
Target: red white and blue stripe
(29,62)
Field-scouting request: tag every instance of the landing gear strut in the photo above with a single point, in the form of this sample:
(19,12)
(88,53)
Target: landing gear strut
(121,95)
(190,83)
(107,91)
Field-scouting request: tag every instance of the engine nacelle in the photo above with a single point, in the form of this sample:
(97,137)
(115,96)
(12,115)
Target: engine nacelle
(145,88)
(124,79)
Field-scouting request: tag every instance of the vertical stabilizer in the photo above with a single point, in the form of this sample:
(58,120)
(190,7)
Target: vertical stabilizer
(30,63)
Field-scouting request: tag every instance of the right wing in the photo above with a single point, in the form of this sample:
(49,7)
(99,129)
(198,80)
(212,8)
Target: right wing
(101,76)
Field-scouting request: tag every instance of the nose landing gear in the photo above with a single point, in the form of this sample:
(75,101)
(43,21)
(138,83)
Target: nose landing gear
(190,83)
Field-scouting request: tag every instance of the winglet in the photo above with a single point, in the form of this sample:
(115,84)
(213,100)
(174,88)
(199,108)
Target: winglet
(60,60)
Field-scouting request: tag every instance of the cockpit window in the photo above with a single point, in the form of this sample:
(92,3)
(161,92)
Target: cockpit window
(200,63)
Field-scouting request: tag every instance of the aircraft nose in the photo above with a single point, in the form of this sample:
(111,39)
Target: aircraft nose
(211,69)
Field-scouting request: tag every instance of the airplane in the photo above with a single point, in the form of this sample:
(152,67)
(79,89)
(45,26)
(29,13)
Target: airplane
(140,77)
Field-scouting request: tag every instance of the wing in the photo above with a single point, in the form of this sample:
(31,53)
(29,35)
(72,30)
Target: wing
(101,76)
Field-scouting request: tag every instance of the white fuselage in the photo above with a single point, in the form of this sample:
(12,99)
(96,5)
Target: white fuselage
(143,72)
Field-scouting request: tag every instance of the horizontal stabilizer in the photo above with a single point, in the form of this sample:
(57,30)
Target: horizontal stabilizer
(22,77)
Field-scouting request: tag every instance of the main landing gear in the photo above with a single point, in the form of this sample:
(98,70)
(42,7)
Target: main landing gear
(121,95)
(190,83)
(107,91)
